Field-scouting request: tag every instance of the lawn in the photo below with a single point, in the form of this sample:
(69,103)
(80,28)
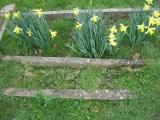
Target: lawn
(69,4)
(143,82)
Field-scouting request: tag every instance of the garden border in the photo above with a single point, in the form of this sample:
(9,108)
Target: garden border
(72,61)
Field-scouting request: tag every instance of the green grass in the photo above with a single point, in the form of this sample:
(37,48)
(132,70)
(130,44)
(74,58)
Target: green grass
(69,4)
(143,82)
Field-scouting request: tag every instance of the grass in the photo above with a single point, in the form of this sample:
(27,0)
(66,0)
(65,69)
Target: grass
(69,4)
(143,82)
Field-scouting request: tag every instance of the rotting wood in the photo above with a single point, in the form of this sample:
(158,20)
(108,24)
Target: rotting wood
(71,93)
(74,61)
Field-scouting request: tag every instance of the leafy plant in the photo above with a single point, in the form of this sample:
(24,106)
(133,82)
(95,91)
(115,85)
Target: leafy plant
(31,30)
(90,36)
(134,35)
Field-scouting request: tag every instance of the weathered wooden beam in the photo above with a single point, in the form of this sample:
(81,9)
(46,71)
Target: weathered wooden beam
(74,61)
(8,8)
(72,93)
(116,12)
(2,29)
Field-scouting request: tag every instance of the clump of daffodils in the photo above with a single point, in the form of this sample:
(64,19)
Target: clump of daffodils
(112,36)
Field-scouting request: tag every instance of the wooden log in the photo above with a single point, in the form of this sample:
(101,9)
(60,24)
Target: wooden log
(3,28)
(71,93)
(74,61)
(116,12)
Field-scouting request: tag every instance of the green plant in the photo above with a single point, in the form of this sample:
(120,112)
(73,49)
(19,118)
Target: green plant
(32,30)
(90,36)
(134,35)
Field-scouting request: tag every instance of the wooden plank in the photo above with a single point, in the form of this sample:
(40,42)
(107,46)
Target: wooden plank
(71,93)
(2,30)
(73,61)
(7,8)
(117,12)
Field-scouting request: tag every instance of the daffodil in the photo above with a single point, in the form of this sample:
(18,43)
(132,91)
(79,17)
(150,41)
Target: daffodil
(17,30)
(7,15)
(38,12)
(152,21)
(76,11)
(53,33)
(141,27)
(112,36)
(78,25)
(123,28)
(95,18)
(157,21)
(156,13)
(149,2)
(146,7)
(29,33)
(113,29)
(150,31)
(16,15)
(113,43)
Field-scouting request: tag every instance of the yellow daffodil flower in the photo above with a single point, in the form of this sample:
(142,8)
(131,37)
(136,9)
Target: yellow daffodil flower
(29,33)
(150,31)
(78,25)
(7,15)
(149,2)
(53,33)
(76,11)
(95,18)
(158,21)
(156,13)
(141,27)
(152,21)
(146,7)
(16,15)
(113,29)
(113,43)
(123,28)
(112,36)
(17,30)
(38,12)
